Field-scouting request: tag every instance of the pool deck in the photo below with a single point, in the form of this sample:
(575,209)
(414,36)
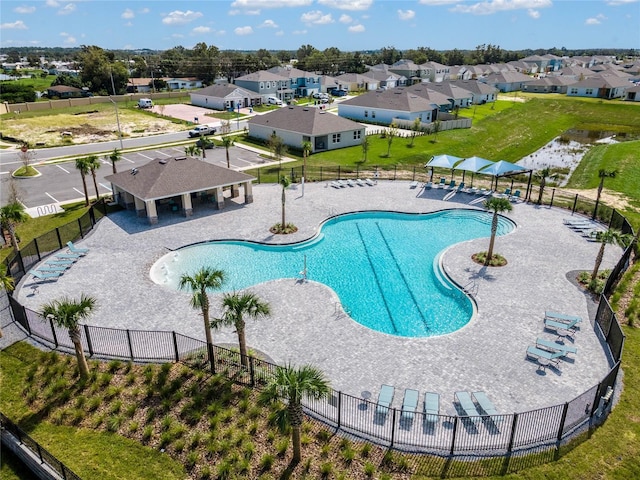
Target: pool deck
(307,324)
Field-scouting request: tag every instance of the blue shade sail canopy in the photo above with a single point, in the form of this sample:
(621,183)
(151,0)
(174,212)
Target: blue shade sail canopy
(473,164)
(444,161)
(501,168)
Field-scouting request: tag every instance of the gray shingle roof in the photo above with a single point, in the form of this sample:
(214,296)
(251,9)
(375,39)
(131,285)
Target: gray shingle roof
(167,177)
(262,76)
(399,99)
(222,91)
(305,120)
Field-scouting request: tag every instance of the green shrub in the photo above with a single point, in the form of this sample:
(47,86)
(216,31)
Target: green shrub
(224,470)
(266,462)
(77,416)
(151,414)
(205,473)
(282,446)
(93,404)
(369,469)
(190,460)
(179,445)
(113,366)
(348,454)
(104,380)
(115,407)
(146,433)
(194,441)
(133,427)
(113,423)
(130,410)
(248,449)
(326,469)
(365,451)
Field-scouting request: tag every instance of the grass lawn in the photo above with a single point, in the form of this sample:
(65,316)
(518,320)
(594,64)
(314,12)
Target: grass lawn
(39,84)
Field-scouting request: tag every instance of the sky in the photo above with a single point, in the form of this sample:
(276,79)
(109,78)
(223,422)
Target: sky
(349,25)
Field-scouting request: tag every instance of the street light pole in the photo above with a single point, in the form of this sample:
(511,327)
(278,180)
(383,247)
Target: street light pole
(113,87)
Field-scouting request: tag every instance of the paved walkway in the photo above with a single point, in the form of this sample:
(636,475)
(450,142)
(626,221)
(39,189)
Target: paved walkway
(307,327)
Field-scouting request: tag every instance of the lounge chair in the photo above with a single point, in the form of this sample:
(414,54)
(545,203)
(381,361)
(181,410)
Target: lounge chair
(556,325)
(556,347)
(74,249)
(409,404)
(506,194)
(431,407)
(369,182)
(413,184)
(385,397)
(428,185)
(577,221)
(467,405)
(67,256)
(442,182)
(360,182)
(52,268)
(515,196)
(351,183)
(452,185)
(342,183)
(547,356)
(335,185)
(561,317)
(68,263)
(44,275)
(484,403)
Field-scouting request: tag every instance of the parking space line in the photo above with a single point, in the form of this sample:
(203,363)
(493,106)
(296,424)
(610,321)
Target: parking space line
(79,191)
(125,158)
(177,149)
(142,155)
(63,169)
(162,153)
(103,185)
(249,162)
(51,197)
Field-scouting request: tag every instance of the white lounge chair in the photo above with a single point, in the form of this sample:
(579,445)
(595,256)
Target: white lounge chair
(369,182)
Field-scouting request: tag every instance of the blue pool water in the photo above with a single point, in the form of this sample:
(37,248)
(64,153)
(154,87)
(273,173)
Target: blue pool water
(384,266)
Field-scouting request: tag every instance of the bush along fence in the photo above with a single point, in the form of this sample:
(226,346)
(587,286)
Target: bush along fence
(40,454)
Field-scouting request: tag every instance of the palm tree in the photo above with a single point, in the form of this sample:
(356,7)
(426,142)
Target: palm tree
(94,164)
(291,385)
(610,236)
(236,306)
(542,176)
(82,164)
(497,205)
(7,283)
(285,182)
(192,150)
(198,283)
(67,313)
(114,157)
(602,173)
(10,216)
(227,142)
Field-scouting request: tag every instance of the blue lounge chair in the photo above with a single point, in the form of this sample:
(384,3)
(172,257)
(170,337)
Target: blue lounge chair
(467,406)
(428,185)
(555,347)
(442,182)
(63,263)
(561,317)
(409,404)
(413,184)
(385,397)
(74,249)
(484,403)
(52,268)
(555,325)
(44,275)
(431,407)
(452,184)
(515,196)
(545,355)
(67,256)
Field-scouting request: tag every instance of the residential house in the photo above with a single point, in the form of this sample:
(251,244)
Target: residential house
(550,84)
(386,79)
(602,86)
(295,125)
(328,83)
(64,91)
(139,85)
(357,82)
(183,83)
(301,83)
(435,72)
(384,106)
(525,67)
(457,95)
(413,72)
(482,93)
(576,72)
(225,97)
(632,94)
(266,84)
(507,81)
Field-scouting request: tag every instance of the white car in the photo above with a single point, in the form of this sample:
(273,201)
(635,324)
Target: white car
(274,101)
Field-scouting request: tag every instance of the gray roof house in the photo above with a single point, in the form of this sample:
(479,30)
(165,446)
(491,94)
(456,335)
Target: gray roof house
(225,97)
(633,94)
(601,86)
(356,81)
(507,81)
(295,125)
(550,84)
(266,84)
(385,106)
(458,95)
(386,79)
(482,93)
(170,184)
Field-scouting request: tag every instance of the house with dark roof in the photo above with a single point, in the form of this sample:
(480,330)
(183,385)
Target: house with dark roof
(266,84)
(295,125)
(225,97)
(301,83)
(633,94)
(169,185)
(386,79)
(550,84)
(385,106)
(482,93)
(64,91)
(457,95)
(507,81)
(601,86)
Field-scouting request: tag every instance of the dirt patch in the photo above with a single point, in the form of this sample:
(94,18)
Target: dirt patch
(613,199)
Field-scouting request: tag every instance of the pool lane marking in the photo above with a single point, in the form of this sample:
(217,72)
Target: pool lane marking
(63,169)
(375,274)
(406,283)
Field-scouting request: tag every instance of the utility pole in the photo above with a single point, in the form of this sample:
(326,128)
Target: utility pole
(113,87)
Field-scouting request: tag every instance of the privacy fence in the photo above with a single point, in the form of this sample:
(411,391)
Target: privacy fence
(508,437)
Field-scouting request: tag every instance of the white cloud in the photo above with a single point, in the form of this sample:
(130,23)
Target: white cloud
(438,2)
(299,32)
(356,28)
(178,17)
(177,35)
(615,3)
(17,25)
(352,5)
(597,20)
(234,12)
(128,13)
(269,24)
(67,9)
(535,14)
(490,7)
(248,4)
(316,17)
(406,14)
(24,9)
(243,31)
(52,3)
(344,18)
(201,29)
(144,10)
(68,39)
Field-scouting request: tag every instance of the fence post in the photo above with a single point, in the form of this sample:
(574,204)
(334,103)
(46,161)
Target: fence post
(59,238)
(339,408)
(259,176)
(395,171)
(594,405)
(339,172)
(357,171)
(39,452)
(514,423)
(35,242)
(320,173)
(252,372)
(453,437)
(613,213)
(414,174)
(553,194)
(562,420)
(53,331)
(80,228)
(92,216)
(575,202)
(21,262)
(393,427)
(175,346)
(129,342)
(86,334)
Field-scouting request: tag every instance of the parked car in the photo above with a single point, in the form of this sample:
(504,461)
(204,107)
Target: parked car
(145,103)
(204,142)
(274,101)
(320,95)
(338,92)
(201,130)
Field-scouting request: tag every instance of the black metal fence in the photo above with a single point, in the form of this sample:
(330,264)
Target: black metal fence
(447,435)
(43,455)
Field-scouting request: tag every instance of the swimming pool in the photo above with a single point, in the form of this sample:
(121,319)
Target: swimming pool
(383,266)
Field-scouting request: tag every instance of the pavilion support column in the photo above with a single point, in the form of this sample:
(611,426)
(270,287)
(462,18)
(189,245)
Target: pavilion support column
(152,213)
(235,191)
(248,192)
(140,207)
(186,202)
(220,198)
(128,201)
